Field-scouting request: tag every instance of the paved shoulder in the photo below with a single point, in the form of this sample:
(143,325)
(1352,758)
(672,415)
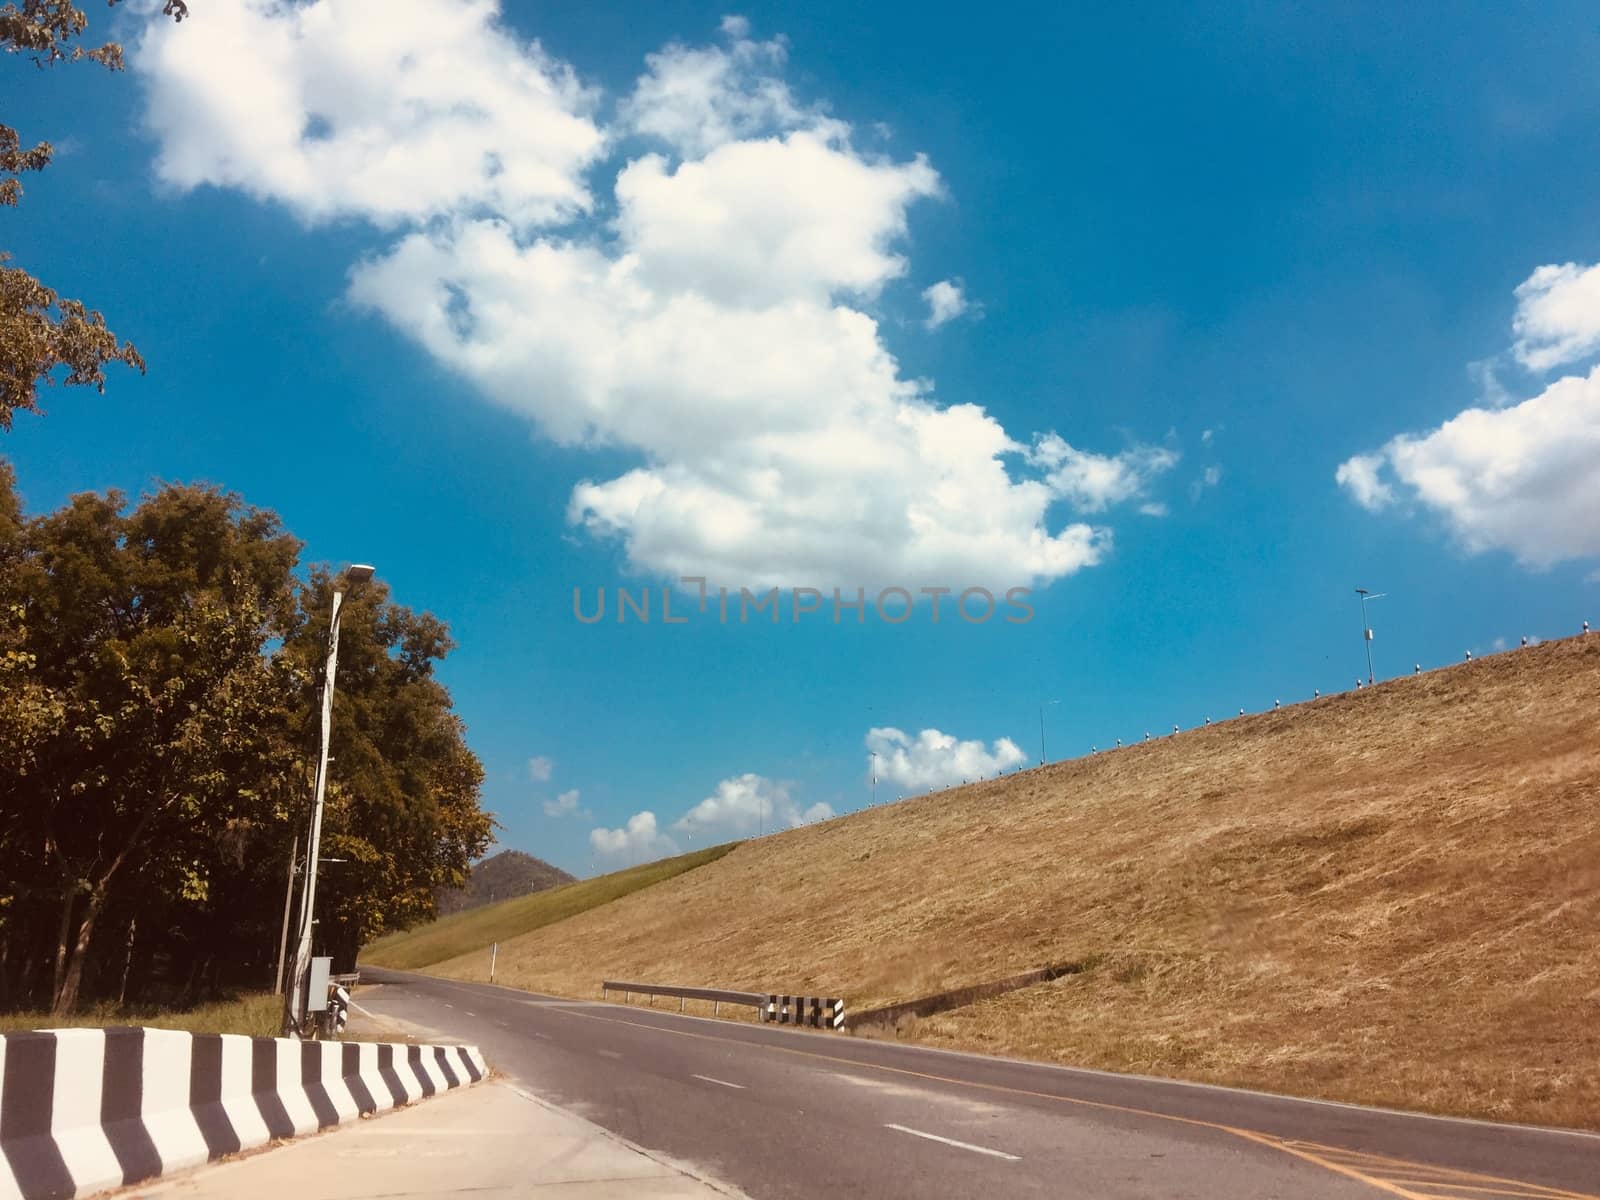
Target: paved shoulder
(493,1140)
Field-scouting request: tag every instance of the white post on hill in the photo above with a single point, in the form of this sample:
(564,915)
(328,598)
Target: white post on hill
(494,951)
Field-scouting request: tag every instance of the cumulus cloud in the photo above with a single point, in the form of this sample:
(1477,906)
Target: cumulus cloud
(541,768)
(390,110)
(638,840)
(1558,316)
(770,221)
(1360,477)
(737,807)
(933,759)
(946,301)
(748,803)
(566,804)
(698,98)
(713,331)
(1092,482)
(1521,479)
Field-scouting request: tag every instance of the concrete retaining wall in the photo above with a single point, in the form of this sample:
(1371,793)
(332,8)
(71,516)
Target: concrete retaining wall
(86,1109)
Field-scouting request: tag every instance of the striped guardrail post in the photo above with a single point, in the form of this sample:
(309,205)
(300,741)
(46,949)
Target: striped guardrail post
(820,1012)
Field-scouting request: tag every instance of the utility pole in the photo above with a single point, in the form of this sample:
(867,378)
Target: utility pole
(874,754)
(288,899)
(1042,703)
(1366,630)
(295,1008)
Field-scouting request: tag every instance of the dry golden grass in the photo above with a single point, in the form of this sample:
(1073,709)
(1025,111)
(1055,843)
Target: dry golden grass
(259,1014)
(1390,896)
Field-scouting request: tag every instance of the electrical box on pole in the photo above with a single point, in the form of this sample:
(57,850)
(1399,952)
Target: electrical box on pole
(317,984)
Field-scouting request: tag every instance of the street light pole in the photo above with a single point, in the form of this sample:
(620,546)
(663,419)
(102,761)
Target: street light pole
(296,1006)
(1042,703)
(1366,630)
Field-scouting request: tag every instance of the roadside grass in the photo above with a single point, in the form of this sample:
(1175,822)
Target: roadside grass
(1389,896)
(258,1014)
(474,930)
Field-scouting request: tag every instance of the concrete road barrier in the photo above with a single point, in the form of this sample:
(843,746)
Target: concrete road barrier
(86,1109)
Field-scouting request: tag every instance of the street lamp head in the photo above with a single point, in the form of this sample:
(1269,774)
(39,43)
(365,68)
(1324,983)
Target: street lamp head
(357,573)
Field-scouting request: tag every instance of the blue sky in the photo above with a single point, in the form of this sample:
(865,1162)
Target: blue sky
(1241,310)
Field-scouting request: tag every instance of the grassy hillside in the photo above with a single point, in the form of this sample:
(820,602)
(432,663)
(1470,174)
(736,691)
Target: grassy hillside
(470,933)
(1388,896)
(500,877)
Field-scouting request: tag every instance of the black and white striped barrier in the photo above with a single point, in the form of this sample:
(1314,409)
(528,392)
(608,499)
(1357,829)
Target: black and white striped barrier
(824,1011)
(86,1109)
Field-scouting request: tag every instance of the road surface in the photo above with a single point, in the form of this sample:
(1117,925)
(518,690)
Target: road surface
(783,1112)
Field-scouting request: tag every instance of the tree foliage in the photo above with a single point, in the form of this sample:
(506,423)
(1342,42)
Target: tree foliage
(45,339)
(158,686)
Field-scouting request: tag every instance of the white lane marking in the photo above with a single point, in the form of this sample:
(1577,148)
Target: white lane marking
(447,1004)
(609,1054)
(723,1082)
(934,1137)
(470,1014)
(776,1034)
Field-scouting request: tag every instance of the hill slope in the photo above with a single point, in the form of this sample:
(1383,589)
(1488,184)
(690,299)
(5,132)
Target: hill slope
(1389,896)
(468,934)
(501,876)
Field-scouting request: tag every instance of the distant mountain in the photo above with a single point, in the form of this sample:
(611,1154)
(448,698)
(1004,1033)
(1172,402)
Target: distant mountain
(499,877)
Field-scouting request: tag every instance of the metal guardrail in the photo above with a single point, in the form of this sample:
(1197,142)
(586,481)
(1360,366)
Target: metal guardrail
(826,1012)
(717,996)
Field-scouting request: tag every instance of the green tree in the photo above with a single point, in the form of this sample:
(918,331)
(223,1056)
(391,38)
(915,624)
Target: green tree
(156,735)
(45,338)
(147,633)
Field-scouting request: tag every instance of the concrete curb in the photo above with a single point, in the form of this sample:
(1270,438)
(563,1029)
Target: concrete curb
(82,1110)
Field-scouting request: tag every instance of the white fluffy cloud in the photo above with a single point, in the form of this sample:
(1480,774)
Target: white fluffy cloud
(946,301)
(738,807)
(566,804)
(1522,479)
(746,804)
(770,221)
(1558,316)
(541,768)
(713,330)
(390,110)
(638,840)
(933,759)
(1093,482)
(781,445)
(698,98)
(1361,477)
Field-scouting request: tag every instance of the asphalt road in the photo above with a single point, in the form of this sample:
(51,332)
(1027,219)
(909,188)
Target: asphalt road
(781,1112)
